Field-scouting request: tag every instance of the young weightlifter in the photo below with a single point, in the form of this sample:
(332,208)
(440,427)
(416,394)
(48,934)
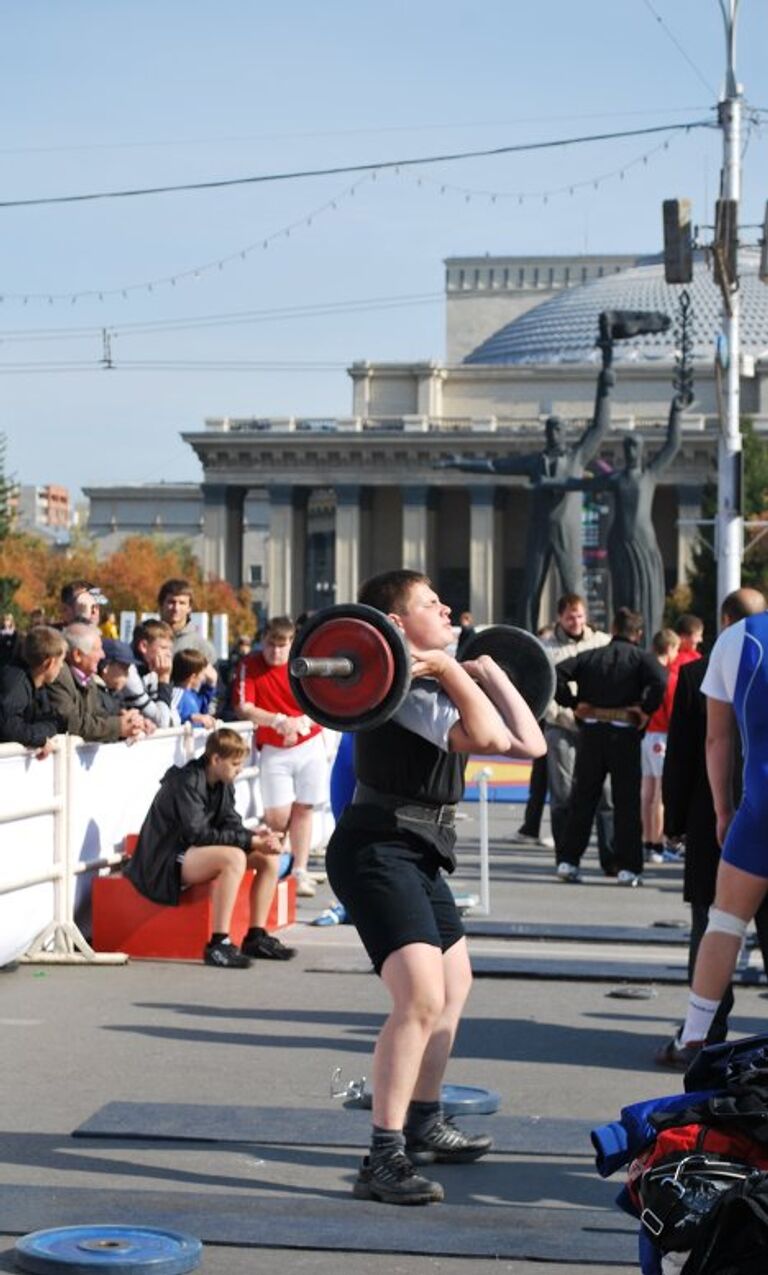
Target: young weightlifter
(385,863)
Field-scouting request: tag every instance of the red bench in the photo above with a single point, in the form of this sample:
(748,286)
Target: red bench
(124,921)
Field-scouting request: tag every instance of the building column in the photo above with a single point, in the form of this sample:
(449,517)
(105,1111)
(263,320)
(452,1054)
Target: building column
(347,543)
(688,512)
(484,595)
(286,551)
(223,532)
(416,538)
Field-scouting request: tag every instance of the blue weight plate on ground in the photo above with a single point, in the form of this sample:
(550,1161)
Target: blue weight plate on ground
(458,1100)
(119,1250)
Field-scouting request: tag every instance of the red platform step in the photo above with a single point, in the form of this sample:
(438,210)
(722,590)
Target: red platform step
(124,921)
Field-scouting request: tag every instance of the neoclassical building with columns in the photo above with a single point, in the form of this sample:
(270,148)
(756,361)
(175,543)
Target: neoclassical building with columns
(339,499)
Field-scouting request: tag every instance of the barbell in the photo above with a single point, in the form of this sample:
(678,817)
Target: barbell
(350,668)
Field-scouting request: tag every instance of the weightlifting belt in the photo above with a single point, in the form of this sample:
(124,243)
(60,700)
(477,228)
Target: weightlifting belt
(405,807)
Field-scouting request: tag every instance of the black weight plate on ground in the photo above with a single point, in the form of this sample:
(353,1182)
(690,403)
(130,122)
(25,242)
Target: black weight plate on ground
(389,703)
(457,1100)
(118,1250)
(524,659)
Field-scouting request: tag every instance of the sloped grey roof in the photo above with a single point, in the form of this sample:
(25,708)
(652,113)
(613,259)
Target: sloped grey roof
(564,329)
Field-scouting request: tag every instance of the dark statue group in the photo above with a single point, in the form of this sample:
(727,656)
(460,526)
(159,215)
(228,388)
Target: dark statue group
(557,480)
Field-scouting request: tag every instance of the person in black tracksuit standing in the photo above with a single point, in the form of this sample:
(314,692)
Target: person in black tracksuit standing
(618,686)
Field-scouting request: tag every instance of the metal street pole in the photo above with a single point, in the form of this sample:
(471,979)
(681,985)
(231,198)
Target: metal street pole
(730,523)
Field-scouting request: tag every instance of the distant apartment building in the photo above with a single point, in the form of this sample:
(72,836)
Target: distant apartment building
(44,510)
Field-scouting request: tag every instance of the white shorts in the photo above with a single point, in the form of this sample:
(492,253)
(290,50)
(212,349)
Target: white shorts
(653,749)
(294,774)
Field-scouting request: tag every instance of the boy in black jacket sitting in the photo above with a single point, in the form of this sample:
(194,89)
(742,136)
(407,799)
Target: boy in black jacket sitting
(192,833)
(26,716)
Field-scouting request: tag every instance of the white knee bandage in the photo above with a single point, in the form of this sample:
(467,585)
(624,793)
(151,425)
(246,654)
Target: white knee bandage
(726,923)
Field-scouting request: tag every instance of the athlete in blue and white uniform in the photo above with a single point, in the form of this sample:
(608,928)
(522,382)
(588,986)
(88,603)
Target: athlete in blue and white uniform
(738,675)
(736,686)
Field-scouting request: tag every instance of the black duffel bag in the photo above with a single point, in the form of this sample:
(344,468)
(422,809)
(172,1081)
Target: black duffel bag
(734,1237)
(679,1193)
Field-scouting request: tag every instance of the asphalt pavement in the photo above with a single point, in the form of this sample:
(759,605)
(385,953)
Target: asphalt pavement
(559,1041)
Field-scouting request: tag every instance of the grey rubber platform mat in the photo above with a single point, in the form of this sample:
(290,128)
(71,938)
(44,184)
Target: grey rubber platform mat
(662,935)
(313,1127)
(505,1230)
(599,971)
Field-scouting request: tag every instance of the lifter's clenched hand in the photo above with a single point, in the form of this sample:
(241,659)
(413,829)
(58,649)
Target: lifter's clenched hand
(430,663)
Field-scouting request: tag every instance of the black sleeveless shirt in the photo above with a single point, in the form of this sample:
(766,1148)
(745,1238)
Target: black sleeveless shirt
(400,763)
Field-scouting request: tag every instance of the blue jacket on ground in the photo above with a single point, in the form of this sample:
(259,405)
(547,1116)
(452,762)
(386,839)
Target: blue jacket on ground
(620,1141)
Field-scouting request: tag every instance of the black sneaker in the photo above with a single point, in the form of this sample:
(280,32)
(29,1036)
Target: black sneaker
(225,954)
(446,1144)
(268,948)
(391,1178)
(676,1057)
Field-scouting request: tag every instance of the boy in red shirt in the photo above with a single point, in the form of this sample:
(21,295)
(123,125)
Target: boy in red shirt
(293,759)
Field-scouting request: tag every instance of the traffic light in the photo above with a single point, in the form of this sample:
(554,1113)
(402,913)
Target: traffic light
(678,241)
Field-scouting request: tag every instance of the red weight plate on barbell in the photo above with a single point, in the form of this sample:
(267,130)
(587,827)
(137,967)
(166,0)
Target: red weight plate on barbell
(362,692)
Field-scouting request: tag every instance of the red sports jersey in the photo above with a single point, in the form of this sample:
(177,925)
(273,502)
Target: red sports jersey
(659,720)
(266,686)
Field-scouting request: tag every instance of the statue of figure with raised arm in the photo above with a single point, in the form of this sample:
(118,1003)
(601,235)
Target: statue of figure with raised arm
(554,527)
(634,560)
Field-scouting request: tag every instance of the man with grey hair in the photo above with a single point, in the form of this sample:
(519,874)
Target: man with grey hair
(75,697)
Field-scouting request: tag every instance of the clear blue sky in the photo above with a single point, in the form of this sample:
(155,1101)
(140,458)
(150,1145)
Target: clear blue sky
(103,96)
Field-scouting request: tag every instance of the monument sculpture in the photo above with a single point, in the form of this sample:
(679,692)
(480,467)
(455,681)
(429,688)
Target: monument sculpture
(554,527)
(634,560)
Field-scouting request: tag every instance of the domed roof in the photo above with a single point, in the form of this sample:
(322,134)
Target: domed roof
(564,329)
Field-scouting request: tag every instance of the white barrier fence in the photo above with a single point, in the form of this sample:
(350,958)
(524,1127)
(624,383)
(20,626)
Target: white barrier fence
(64,818)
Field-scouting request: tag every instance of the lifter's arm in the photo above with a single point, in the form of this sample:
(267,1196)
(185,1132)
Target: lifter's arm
(527,738)
(479,729)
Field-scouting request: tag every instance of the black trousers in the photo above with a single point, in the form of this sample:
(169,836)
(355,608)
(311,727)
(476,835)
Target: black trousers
(537,796)
(603,750)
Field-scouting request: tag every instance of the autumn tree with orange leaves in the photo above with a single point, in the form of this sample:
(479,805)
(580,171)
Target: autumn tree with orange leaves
(130,577)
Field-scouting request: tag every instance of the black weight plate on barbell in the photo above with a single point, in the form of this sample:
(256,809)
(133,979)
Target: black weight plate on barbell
(523,657)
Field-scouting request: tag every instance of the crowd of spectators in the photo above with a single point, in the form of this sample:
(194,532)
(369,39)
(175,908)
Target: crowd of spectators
(105,689)
(75,675)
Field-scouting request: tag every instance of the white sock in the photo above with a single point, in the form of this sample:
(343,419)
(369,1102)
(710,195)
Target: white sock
(698,1019)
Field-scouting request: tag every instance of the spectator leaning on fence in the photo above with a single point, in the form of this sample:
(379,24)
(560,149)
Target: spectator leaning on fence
(26,715)
(75,694)
(150,688)
(192,695)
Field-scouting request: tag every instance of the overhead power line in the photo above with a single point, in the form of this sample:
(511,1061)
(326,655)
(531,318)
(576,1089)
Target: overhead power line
(235,318)
(156,143)
(379,165)
(681,50)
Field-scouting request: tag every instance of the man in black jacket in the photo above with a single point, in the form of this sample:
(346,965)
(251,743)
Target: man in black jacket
(193,834)
(618,687)
(689,813)
(26,716)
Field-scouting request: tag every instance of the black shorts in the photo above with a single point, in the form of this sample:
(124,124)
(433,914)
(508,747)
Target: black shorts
(393,889)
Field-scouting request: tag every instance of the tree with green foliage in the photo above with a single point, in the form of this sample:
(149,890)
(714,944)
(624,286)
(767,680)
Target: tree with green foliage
(702,577)
(7,492)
